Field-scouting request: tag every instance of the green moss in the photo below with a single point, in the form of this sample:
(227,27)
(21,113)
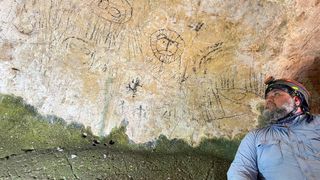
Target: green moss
(117,137)
(219,147)
(164,145)
(22,128)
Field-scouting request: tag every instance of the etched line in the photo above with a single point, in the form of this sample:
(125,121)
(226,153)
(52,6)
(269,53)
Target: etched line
(116,11)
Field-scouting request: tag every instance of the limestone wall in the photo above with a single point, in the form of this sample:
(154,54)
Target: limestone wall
(185,69)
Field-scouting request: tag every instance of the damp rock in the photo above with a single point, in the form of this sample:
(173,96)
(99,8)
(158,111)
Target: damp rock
(28,149)
(111,142)
(95,141)
(84,135)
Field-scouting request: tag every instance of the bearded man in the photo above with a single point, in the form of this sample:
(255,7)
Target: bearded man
(288,148)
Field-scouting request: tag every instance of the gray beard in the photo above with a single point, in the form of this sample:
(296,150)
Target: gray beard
(272,116)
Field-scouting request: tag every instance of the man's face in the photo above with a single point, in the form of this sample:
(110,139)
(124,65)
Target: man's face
(278,104)
(276,98)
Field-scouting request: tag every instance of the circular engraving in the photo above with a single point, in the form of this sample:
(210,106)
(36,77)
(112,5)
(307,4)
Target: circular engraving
(167,45)
(117,11)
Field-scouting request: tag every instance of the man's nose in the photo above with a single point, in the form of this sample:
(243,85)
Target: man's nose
(269,99)
(270,96)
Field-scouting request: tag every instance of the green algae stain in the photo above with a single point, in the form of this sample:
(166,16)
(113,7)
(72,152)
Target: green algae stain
(22,128)
(218,147)
(117,137)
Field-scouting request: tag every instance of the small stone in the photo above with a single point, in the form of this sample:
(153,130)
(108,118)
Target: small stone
(73,156)
(104,156)
(59,149)
(96,141)
(84,135)
(111,142)
(28,149)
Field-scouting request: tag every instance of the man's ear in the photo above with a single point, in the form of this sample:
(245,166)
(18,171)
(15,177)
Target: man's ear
(297,100)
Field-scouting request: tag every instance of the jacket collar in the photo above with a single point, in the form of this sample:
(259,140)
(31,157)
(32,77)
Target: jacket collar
(290,120)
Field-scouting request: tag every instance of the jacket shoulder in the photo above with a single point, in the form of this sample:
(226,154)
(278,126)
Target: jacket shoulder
(316,120)
(316,116)
(256,134)
(260,131)
(261,135)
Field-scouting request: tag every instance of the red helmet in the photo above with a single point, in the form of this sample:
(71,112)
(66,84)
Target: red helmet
(294,88)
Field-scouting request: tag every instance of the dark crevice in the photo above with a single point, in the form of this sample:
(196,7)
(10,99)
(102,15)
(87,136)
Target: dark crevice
(71,167)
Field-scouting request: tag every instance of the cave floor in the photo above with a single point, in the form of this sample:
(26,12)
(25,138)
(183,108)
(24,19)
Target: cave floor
(104,162)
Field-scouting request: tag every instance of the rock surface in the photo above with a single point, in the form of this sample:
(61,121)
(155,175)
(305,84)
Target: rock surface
(105,163)
(184,69)
(33,148)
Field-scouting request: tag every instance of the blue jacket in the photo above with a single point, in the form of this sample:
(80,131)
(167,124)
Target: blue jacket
(287,150)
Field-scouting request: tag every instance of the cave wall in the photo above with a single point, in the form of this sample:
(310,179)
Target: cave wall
(184,69)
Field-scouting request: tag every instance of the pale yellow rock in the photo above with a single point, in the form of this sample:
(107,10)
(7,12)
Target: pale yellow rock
(184,69)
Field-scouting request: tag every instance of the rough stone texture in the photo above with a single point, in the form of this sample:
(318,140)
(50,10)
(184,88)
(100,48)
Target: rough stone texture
(105,163)
(185,69)
(300,56)
(33,148)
